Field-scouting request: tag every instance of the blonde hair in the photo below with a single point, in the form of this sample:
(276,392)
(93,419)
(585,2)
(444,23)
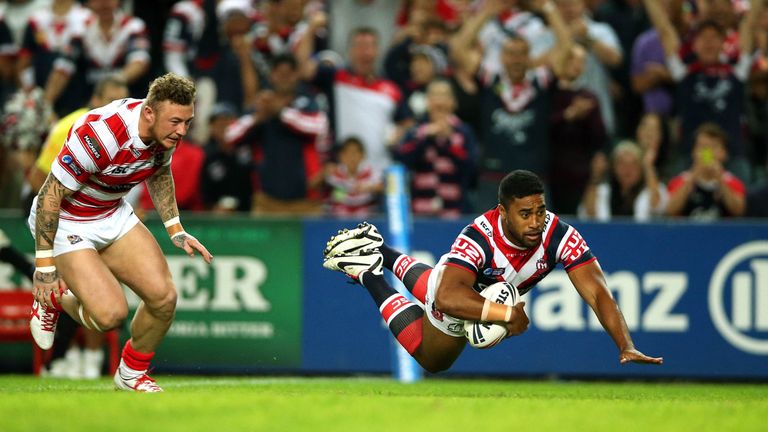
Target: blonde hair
(627,146)
(173,88)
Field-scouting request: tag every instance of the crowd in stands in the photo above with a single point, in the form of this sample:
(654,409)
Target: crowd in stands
(626,108)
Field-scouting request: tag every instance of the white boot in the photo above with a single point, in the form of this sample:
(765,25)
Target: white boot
(92,362)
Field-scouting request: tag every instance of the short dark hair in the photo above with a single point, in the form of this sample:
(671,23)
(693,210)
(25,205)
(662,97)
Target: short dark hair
(709,24)
(519,184)
(712,130)
(363,30)
(351,141)
(108,81)
(173,88)
(284,58)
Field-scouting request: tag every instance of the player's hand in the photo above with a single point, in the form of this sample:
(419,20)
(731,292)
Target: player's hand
(190,244)
(635,356)
(47,286)
(519,323)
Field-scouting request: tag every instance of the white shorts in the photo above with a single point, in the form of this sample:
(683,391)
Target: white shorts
(98,234)
(447,324)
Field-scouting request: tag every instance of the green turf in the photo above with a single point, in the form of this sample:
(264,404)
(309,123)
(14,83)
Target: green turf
(365,404)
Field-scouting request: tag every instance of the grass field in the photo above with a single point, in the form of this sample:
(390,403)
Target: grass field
(372,404)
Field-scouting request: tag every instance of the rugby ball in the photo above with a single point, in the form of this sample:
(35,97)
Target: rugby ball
(484,334)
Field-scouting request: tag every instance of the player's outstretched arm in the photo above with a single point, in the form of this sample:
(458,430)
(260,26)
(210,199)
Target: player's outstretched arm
(163,193)
(590,283)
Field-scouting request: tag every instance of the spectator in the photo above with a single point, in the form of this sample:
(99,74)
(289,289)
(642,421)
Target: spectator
(226,184)
(425,64)
(289,135)
(190,38)
(356,184)
(709,90)
(632,189)
(516,103)
(577,133)
(279,31)
(510,18)
(362,103)
(47,36)
(707,191)
(604,52)
(235,74)
(649,73)
(627,20)
(441,155)
(652,134)
(112,42)
(722,12)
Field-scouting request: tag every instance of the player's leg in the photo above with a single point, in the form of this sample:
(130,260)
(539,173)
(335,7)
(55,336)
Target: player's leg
(97,301)
(136,260)
(411,272)
(434,350)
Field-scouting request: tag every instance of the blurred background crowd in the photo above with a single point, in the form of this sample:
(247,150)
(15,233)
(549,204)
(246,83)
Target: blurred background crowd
(627,108)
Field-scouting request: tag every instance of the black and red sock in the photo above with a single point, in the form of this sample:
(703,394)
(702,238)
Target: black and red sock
(403,317)
(412,273)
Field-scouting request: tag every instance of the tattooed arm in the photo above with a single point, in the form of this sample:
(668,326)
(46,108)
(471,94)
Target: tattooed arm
(46,280)
(163,194)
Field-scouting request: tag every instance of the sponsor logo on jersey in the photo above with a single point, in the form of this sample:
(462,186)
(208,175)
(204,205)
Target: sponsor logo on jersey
(95,147)
(491,272)
(488,231)
(541,264)
(74,239)
(464,249)
(456,328)
(70,162)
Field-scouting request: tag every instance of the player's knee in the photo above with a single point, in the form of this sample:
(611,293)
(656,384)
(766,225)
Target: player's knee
(436,366)
(164,305)
(432,364)
(110,319)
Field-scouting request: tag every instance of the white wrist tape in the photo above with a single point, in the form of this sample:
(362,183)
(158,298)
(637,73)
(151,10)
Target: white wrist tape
(44,253)
(508,316)
(172,221)
(46,269)
(486,309)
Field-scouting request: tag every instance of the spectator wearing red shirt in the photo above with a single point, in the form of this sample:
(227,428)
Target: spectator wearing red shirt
(707,191)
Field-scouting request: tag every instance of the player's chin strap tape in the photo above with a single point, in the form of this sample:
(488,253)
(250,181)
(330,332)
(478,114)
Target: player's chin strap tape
(495,312)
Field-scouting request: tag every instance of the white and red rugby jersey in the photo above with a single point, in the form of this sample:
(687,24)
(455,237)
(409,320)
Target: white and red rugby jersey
(103,159)
(482,248)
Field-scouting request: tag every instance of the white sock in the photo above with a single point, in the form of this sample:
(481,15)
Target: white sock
(128,373)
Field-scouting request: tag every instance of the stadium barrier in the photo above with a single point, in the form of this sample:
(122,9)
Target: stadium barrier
(696,294)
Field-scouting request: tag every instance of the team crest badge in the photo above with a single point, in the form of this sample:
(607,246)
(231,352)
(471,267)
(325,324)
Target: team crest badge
(74,239)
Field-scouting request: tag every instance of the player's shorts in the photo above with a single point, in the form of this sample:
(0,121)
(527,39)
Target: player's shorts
(447,324)
(98,234)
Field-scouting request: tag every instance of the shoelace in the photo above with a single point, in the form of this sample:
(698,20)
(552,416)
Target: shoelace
(147,382)
(48,319)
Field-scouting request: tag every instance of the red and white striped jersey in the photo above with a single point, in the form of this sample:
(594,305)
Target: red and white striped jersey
(482,248)
(103,158)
